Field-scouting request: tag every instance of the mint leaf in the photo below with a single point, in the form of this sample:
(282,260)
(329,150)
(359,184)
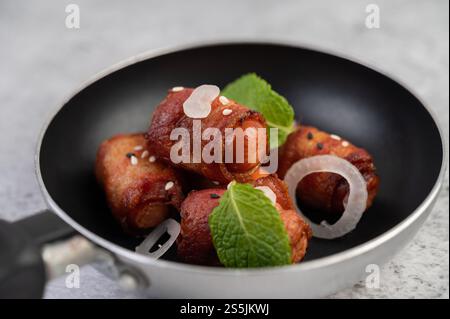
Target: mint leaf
(255,93)
(247,230)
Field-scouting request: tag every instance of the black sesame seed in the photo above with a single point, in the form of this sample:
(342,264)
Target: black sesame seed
(310,136)
(319,146)
(214,196)
(130,155)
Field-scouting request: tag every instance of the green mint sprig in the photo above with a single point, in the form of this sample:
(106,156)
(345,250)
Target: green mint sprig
(247,230)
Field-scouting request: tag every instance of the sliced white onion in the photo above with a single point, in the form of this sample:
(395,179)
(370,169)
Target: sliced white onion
(357,197)
(198,104)
(268,192)
(172,227)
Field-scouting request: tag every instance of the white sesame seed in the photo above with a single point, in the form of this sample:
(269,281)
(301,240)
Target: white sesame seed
(336,137)
(151,159)
(224,100)
(169,185)
(215,182)
(144,154)
(345,143)
(138,148)
(134,160)
(227,112)
(177,89)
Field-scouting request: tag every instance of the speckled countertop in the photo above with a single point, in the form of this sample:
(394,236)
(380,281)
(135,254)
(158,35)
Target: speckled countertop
(41,62)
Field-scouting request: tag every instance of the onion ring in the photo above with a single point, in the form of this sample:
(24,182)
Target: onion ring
(172,227)
(357,197)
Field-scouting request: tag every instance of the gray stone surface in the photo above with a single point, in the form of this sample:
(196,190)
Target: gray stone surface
(41,62)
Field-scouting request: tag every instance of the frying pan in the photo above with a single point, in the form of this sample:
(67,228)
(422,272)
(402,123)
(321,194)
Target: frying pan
(328,91)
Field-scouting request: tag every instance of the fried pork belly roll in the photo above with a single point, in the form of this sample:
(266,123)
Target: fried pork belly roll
(325,192)
(141,191)
(298,231)
(194,244)
(224,114)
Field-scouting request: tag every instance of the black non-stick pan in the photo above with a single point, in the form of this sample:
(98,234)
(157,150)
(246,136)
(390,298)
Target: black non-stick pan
(327,91)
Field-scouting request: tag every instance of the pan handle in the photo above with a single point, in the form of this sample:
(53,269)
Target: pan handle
(41,247)
(45,227)
(22,269)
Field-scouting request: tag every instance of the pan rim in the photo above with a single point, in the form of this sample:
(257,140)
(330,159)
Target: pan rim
(303,266)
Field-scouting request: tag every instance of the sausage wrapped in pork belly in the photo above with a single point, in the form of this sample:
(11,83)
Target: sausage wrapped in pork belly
(325,192)
(194,244)
(225,113)
(141,191)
